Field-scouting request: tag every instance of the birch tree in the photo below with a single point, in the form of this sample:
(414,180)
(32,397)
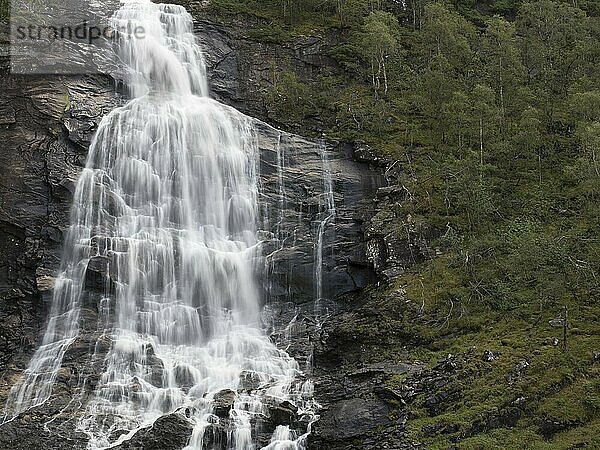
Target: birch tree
(447,33)
(590,139)
(379,43)
(502,59)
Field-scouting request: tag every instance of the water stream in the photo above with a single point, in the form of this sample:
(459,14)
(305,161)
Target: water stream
(168,203)
(326,217)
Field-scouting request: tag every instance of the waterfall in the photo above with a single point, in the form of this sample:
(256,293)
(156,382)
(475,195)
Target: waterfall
(280,235)
(327,215)
(167,203)
(280,186)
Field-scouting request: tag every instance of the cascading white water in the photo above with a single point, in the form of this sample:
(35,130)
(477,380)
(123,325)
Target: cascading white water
(168,200)
(327,214)
(280,186)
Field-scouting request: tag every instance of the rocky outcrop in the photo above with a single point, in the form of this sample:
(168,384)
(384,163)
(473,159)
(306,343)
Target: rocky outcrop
(355,375)
(319,199)
(395,241)
(46,124)
(170,432)
(304,226)
(244,63)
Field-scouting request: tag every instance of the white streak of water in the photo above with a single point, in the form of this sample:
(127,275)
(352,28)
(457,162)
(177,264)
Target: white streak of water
(169,198)
(327,213)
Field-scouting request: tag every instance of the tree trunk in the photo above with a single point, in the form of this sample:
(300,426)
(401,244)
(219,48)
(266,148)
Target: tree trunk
(595,162)
(480,148)
(385,80)
(373,76)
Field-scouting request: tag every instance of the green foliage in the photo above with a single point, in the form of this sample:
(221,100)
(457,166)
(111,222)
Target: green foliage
(447,33)
(4,10)
(492,110)
(291,100)
(379,42)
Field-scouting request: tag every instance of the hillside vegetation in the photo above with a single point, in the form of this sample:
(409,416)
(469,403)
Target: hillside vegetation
(492,111)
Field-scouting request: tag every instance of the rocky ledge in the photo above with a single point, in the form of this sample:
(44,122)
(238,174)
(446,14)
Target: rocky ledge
(319,199)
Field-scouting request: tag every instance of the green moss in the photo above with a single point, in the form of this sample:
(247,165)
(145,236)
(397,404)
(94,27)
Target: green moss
(516,224)
(4,10)
(396,381)
(578,402)
(66,101)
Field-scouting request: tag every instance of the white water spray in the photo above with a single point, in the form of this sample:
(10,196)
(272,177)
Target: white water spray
(168,200)
(327,216)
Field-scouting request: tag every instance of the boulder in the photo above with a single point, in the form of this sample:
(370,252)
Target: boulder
(223,402)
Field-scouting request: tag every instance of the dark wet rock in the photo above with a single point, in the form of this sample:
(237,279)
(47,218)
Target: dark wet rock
(517,371)
(395,242)
(284,413)
(387,393)
(370,388)
(30,432)
(440,428)
(223,402)
(294,221)
(436,403)
(40,164)
(366,154)
(520,401)
(488,356)
(249,381)
(385,368)
(216,435)
(44,282)
(96,273)
(348,419)
(171,432)
(387,192)
(448,365)
(184,376)
(7,115)
(505,418)
(551,426)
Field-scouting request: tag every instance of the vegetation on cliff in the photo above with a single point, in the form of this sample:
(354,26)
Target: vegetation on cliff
(492,111)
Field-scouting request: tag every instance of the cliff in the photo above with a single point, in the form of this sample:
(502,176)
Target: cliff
(426,333)
(318,199)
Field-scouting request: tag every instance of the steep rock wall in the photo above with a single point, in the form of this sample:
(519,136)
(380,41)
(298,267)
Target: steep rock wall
(46,124)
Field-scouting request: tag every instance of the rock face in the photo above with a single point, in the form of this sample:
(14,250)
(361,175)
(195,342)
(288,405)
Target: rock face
(46,123)
(323,205)
(315,200)
(170,432)
(243,67)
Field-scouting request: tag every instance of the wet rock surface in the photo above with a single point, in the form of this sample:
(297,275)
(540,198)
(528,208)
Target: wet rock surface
(283,413)
(353,418)
(170,432)
(223,402)
(46,124)
(360,409)
(294,203)
(40,165)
